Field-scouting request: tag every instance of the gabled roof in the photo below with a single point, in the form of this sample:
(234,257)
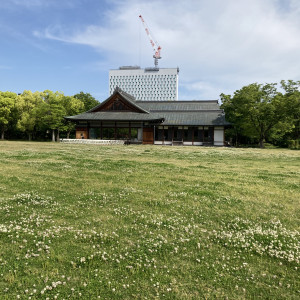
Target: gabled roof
(121,106)
(127,100)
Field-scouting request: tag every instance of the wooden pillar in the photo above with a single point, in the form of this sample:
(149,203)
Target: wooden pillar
(88,130)
(163,137)
(115,130)
(202,134)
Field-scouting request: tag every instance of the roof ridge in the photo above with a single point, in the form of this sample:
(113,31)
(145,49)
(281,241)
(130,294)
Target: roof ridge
(118,89)
(130,99)
(186,110)
(178,101)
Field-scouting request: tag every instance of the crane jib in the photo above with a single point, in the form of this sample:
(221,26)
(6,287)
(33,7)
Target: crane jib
(153,43)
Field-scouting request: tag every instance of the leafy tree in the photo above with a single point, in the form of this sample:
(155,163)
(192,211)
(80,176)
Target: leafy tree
(7,105)
(292,102)
(52,112)
(73,106)
(88,100)
(234,116)
(257,111)
(28,105)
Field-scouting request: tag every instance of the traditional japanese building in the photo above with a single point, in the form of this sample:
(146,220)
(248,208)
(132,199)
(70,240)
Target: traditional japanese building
(122,117)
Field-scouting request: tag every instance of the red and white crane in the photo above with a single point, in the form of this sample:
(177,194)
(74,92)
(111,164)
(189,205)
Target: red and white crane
(154,44)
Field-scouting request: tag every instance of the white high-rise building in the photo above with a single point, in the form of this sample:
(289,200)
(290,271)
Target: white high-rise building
(146,84)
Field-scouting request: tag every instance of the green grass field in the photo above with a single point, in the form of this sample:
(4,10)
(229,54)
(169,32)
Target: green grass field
(145,222)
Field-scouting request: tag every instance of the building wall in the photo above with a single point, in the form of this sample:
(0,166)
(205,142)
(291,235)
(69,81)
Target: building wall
(146,84)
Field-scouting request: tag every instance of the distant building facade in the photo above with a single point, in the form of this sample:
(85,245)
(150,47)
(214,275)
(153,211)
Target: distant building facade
(155,84)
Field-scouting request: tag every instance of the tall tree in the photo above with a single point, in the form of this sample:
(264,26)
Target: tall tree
(88,100)
(73,106)
(28,105)
(292,101)
(234,116)
(52,112)
(7,104)
(257,110)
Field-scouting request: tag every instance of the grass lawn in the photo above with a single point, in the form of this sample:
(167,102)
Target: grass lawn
(145,222)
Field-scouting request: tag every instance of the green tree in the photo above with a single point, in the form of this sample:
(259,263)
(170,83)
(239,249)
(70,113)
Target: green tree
(257,111)
(88,100)
(73,106)
(28,105)
(234,116)
(52,112)
(7,105)
(292,102)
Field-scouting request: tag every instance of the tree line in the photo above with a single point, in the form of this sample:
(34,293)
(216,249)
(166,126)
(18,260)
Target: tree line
(258,113)
(40,115)
(262,113)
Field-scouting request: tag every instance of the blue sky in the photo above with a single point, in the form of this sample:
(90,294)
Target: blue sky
(219,46)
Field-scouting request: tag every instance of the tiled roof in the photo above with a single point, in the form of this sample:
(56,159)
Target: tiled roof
(169,118)
(179,105)
(193,118)
(115,116)
(188,113)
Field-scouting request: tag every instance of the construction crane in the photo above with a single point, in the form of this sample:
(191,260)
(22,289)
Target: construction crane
(153,43)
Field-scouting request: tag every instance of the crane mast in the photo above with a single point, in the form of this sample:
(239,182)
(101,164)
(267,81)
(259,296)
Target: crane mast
(153,43)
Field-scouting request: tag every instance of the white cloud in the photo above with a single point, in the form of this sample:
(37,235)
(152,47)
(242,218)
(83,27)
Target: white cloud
(218,45)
